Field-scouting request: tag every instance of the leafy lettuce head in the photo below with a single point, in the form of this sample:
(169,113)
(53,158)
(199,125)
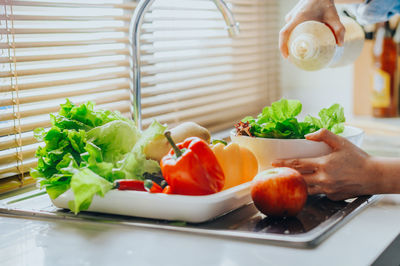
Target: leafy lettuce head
(86,150)
(280,121)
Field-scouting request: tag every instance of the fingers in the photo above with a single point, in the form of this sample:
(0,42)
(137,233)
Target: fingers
(322,11)
(314,185)
(313,189)
(284,35)
(330,138)
(301,165)
(317,184)
(309,170)
(338,29)
(316,180)
(283,38)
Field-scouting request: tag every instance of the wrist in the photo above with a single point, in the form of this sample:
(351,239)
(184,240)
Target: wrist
(384,175)
(375,176)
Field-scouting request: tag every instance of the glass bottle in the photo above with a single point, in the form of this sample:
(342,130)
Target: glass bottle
(385,90)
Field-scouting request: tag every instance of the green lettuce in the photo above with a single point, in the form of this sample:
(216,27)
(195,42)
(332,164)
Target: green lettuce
(280,121)
(331,118)
(86,150)
(85,184)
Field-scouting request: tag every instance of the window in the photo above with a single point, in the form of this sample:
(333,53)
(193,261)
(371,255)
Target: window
(191,69)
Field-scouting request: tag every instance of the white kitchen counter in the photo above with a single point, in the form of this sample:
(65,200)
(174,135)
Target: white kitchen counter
(45,242)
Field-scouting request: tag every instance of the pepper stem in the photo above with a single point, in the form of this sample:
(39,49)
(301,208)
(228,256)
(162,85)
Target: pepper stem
(177,151)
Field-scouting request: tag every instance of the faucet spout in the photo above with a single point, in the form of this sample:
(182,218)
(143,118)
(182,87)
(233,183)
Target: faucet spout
(134,39)
(231,24)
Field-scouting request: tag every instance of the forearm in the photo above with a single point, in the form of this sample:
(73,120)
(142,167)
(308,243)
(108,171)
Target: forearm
(385,174)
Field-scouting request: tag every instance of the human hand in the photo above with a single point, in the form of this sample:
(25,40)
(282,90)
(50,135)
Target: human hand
(342,174)
(319,10)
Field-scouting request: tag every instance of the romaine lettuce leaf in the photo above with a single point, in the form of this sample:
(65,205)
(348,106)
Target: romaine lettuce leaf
(135,164)
(85,184)
(279,121)
(114,139)
(331,118)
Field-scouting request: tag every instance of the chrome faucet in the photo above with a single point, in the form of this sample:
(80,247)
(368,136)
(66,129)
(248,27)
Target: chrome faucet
(134,35)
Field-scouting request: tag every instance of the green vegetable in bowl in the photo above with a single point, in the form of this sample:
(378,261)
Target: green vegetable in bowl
(86,150)
(279,121)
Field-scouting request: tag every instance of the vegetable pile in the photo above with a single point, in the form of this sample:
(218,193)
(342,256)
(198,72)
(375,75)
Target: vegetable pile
(279,121)
(93,151)
(87,150)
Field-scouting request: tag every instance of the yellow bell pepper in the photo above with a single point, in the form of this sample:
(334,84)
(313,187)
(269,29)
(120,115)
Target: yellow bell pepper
(238,163)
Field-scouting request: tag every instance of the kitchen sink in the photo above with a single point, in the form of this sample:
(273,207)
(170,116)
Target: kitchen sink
(319,218)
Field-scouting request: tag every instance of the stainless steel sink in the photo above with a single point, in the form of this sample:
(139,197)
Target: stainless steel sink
(318,220)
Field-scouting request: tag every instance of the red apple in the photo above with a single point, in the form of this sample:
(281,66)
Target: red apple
(279,192)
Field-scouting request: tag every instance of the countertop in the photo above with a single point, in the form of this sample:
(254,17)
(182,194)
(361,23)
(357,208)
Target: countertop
(46,242)
(41,242)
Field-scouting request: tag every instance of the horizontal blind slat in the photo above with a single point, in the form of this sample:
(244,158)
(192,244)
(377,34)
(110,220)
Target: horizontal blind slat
(64,43)
(63,30)
(199,64)
(14,183)
(100,53)
(42,71)
(190,103)
(253,26)
(52,83)
(148,60)
(63,18)
(197,92)
(150,38)
(128,5)
(11,155)
(224,43)
(206,113)
(12,169)
(162,88)
(207,72)
(65,93)
(10,141)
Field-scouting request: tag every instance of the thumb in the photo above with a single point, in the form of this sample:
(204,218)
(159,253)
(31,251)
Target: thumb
(330,138)
(332,20)
(284,35)
(339,31)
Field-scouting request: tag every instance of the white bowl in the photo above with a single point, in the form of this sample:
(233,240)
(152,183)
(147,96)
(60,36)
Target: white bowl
(267,150)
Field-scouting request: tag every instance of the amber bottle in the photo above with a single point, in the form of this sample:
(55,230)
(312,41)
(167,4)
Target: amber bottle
(385,90)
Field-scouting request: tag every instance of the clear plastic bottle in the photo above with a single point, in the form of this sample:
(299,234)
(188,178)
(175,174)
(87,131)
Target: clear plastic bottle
(312,45)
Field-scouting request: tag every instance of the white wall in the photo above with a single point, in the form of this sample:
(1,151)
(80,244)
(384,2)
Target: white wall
(316,89)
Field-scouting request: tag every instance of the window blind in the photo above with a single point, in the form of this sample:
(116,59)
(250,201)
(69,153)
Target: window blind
(191,69)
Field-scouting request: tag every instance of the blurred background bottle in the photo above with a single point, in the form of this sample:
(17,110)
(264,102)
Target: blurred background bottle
(396,39)
(312,45)
(385,87)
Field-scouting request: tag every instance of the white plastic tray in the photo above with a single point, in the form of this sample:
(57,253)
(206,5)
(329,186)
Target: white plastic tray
(194,209)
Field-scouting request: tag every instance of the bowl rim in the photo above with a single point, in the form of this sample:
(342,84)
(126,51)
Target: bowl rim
(359,132)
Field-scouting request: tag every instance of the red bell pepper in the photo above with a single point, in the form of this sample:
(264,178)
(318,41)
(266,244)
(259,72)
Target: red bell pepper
(191,168)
